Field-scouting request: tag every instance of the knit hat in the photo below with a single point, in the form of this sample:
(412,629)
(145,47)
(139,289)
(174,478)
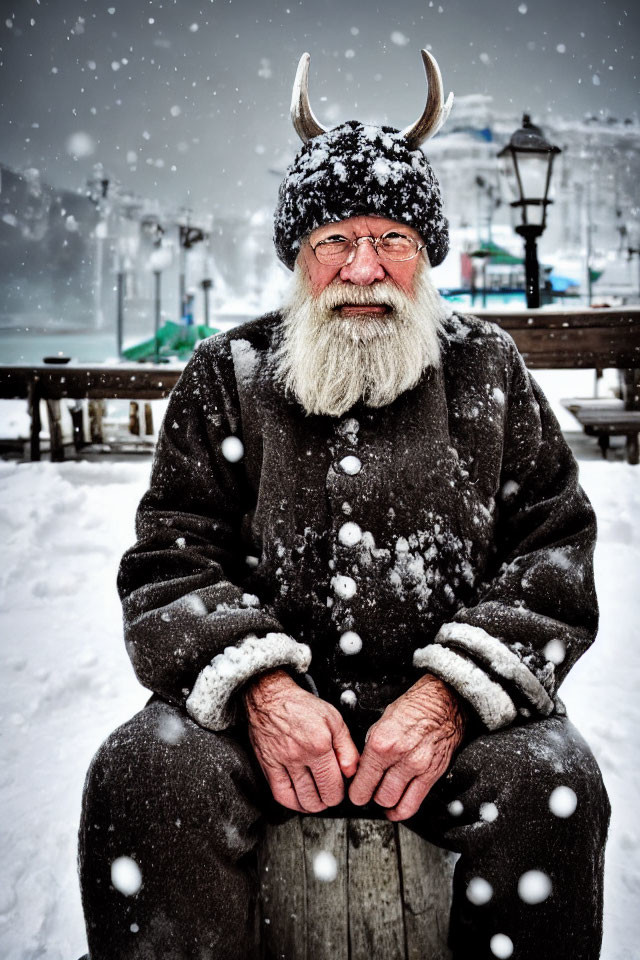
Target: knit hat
(357,169)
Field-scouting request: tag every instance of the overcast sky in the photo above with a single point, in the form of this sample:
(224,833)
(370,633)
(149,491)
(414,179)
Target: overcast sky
(188,100)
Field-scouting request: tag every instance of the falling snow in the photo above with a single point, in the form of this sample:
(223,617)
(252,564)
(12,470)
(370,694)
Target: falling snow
(534,886)
(501,946)
(232,449)
(479,891)
(126,876)
(325,866)
(563,801)
(488,812)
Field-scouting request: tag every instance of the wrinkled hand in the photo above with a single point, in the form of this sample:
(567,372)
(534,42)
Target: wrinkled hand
(409,748)
(301,742)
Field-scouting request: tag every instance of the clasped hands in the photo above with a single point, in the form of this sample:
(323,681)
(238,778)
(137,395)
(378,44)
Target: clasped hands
(305,749)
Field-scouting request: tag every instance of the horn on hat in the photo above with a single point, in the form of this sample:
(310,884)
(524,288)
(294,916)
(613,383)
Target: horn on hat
(433,117)
(435,112)
(304,121)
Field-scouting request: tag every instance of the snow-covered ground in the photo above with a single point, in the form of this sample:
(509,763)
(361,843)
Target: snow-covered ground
(68,683)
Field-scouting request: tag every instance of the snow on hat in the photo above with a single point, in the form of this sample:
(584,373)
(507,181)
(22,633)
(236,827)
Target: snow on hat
(356,169)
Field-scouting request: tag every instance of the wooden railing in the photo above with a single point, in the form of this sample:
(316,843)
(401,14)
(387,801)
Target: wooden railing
(573,338)
(548,338)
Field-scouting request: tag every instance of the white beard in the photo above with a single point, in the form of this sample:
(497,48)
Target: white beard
(329,362)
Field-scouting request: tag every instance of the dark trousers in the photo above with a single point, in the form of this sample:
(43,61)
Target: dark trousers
(189,807)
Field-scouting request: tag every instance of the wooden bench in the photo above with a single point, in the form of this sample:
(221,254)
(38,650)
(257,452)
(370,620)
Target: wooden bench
(577,339)
(607,418)
(546,338)
(95,382)
(334,889)
(604,418)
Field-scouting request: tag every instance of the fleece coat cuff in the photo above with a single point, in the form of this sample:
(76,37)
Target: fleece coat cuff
(476,665)
(211,702)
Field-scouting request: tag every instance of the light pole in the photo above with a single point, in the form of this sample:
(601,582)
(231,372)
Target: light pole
(527,164)
(206,285)
(160,259)
(128,211)
(98,193)
(634,252)
(188,236)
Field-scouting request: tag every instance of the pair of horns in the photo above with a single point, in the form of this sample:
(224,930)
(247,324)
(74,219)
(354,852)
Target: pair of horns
(433,117)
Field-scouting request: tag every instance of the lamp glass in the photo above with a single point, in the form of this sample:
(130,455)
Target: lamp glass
(534,170)
(508,178)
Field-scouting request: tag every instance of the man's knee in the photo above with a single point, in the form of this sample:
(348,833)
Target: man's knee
(162,768)
(167,841)
(543,769)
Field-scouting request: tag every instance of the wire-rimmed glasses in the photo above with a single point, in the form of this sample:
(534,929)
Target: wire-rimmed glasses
(336,251)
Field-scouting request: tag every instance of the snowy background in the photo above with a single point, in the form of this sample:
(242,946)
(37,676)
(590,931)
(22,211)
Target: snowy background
(189,101)
(68,682)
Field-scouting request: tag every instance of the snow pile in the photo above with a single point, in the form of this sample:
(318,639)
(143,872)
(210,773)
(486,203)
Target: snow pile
(68,683)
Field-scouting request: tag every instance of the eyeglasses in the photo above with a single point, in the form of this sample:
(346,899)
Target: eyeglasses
(337,251)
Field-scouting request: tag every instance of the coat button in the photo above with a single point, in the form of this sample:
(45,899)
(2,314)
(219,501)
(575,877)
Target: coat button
(350,465)
(348,698)
(350,643)
(344,587)
(349,534)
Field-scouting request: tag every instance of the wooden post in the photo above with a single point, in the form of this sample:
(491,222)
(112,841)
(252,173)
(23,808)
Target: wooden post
(134,418)
(427,882)
(55,430)
(283,890)
(96,411)
(327,926)
(148,420)
(631,389)
(376,922)
(34,409)
(603,443)
(389,900)
(76,412)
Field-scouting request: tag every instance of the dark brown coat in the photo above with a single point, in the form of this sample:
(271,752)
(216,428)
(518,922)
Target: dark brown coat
(475,551)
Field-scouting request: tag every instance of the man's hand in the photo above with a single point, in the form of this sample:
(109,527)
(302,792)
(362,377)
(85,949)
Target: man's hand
(409,748)
(301,742)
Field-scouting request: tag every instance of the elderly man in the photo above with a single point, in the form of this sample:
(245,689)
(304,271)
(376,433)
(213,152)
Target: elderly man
(363,568)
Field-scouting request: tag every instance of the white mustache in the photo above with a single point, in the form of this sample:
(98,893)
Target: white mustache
(342,294)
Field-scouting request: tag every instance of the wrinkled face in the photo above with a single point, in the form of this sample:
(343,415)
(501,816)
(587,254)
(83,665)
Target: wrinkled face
(366,268)
(367,330)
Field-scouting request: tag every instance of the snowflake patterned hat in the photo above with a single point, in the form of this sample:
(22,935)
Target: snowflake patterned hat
(356,169)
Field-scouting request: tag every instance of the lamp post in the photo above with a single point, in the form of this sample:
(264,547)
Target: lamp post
(128,210)
(206,285)
(98,194)
(631,252)
(158,261)
(188,236)
(527,164)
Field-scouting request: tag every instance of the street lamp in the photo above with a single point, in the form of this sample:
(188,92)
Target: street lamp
(159,260)
(527,163)
(188,236)
(98,194)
